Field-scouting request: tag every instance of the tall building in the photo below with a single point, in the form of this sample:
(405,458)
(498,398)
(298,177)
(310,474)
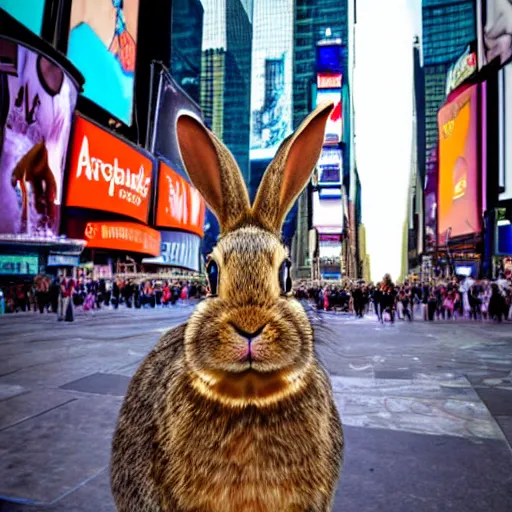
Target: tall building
(186,45)
(316,21)
(225,96)
(449,26)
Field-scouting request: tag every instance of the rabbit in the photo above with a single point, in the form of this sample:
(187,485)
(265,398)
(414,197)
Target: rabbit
(232,411)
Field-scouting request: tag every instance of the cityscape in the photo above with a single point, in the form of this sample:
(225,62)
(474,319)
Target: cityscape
(340,296)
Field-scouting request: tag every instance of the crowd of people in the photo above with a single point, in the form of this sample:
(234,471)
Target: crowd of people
(62,294)
(434,300)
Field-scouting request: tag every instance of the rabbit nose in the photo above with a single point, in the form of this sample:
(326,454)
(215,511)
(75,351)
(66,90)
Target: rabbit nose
(245,334)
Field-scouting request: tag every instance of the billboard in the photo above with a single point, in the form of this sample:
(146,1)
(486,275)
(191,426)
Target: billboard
(329,57)
(28,12)
(37,98)
(505,132)
(497,31)
(464,67)
(329,81)
(178,204)
(118,236)
(459,191)
(334,127)
(103,46)
(327,214)
(107,173)
(19,264)
(178,250)
(430,191)
(330,167)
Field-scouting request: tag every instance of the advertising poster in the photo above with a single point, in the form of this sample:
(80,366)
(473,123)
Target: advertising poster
(458,207)
(505,132)
(107,174)
(103,46)
(327,214)
(497,31)
(330,165)
(178,250)
(28,12)
(430,190)
(334,127)
(19,265)
(179,205)
(37,98)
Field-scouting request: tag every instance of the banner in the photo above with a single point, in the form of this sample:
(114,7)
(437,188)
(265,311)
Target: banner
(107,173)
(178,204)
(334,126)
(38,97)
(19,265)
(178,250)
(327,214)
(122,236)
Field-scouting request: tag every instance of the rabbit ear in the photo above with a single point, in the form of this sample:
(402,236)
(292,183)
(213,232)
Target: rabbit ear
(213,171)
(290,170)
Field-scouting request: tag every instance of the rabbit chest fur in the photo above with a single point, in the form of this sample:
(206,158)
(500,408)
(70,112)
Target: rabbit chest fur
(175,450)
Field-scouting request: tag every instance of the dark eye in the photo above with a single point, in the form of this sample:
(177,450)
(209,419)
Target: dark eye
(212,275)
(285,277)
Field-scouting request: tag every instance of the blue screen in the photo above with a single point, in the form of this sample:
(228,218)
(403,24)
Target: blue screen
(28,12)
(329,58)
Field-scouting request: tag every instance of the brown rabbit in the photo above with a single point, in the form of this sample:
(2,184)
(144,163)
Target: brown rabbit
(232,412)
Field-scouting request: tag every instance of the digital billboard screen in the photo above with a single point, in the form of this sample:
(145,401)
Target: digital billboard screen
(497,31)
(107,173)
(37,98)
(458,206)
(19,264)
(329,58)
(330,165)
(103,46)
(178,204)
(430,191)
(28,12)
(334,127)
(327,214)
(505,132)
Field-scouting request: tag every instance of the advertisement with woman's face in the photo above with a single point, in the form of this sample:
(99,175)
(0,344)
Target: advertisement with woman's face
(498,31)
(103,46)
(37,99)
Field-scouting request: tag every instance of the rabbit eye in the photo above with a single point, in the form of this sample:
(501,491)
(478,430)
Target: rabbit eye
(212,275)
(285,277)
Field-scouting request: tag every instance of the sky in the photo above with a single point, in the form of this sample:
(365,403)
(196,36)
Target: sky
(383,103)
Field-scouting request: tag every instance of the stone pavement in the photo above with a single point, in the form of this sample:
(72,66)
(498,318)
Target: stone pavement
(427,409)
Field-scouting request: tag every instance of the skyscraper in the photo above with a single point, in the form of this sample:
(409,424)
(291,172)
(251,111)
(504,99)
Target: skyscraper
(448,27)
(226,74)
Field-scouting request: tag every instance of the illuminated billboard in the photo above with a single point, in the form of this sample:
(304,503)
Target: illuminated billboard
(458,205)
(430,191)
(19,265)
(329,57)
(497,31)
(28,12)
(461,70)
(334,127)
(329,81)
(178,204)
(327,214)
(103,46)
(37,98)
(505,132)
(107,173)
(330,167)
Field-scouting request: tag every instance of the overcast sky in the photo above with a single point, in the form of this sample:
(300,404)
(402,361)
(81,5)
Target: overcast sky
(383,98)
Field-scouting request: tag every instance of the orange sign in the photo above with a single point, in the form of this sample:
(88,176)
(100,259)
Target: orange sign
(179,205)
(328,81)
(122,236)
(107,174)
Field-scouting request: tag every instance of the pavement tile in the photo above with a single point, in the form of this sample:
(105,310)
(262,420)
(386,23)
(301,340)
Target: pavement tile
(505,422)
(498,401)
(100,383)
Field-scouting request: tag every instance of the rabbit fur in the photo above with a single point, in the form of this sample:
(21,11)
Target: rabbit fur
(204,427)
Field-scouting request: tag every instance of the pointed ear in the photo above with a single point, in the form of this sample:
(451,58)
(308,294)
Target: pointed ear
(213,171)
(291,169)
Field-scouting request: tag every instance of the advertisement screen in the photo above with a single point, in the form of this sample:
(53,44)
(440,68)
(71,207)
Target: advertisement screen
(458,207)
(179,205)
(37,98)
(178,250)
(497,31)
(504,239)
(119,236)
(505,132)
(103,46)
(334,128)
(329,81)
(431,188)
(330,165)
(327,213)
(329,58)
(106,173)
(461,70)
(172,102)
(19,265)
(28,12)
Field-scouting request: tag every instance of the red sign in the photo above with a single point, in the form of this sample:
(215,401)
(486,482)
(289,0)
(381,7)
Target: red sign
(122,236)
(328,81)
(107,173)
(179,205)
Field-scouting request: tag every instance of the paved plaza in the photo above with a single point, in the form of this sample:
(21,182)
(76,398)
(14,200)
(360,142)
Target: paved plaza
(426,408)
